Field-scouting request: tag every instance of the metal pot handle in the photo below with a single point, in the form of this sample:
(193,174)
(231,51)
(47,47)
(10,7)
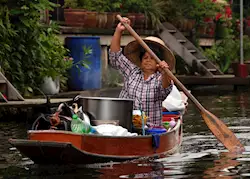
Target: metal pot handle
(90,115)
(76,98)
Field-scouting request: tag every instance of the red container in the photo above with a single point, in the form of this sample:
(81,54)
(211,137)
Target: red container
(240,70)
(168,117)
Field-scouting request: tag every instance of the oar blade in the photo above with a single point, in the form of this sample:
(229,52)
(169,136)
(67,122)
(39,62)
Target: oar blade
(222,132)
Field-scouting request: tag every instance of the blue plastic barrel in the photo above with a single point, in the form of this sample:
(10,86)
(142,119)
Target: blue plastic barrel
(85,79)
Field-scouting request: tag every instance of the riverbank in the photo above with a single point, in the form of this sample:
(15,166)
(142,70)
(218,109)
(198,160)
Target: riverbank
(198,85)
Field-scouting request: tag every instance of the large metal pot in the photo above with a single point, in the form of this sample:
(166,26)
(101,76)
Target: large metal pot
(101,108)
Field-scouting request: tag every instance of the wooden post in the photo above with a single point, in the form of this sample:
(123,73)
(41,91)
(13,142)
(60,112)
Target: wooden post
(104,58)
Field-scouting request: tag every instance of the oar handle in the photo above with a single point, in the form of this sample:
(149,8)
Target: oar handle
(169,73)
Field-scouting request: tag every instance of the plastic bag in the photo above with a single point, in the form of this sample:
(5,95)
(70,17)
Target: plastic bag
(174,101)
(112,130)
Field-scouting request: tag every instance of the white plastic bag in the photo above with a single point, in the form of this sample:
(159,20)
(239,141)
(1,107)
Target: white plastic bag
(112,130)
(174,101)
(50,86)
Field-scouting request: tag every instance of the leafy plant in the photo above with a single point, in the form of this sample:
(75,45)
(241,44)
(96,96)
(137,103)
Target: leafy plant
(29,50)
(71,4)
(21,53)
(154,10)
(181,67)
(87,51)
(223,53)
(198,10)
(97,5)
(226,51)
(55,64)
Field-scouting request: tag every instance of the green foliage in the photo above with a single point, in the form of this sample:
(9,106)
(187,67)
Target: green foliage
(181,67)
(55,63)
(195,9)
(87,51)
(71,4)
(29,51)
(97,5)
(226,51)
(153,9)
(223,53)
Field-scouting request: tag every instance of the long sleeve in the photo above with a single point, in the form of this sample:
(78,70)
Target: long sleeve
(120,62)
(164,92)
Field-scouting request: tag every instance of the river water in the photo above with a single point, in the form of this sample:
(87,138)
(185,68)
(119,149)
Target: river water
(200,156)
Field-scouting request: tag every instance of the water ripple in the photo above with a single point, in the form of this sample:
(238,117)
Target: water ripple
(200,156)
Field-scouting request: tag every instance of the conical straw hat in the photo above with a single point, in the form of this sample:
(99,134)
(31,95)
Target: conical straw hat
(132,51)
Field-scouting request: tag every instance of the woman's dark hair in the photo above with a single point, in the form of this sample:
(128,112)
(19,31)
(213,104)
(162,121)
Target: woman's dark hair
(156,49)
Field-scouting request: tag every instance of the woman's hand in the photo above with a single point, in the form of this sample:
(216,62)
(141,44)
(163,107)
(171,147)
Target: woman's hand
(116,40)
(161,66)
(166,81)
(120,27)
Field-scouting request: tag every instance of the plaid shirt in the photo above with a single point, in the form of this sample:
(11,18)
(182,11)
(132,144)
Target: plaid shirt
(148,94)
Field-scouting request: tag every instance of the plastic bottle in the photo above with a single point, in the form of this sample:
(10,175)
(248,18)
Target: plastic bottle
(166,125)
(79,126)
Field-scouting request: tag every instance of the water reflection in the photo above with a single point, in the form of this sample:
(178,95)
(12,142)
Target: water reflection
(243,103)
(144,169)
(226,167)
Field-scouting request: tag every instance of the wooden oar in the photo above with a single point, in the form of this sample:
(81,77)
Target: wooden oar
(218,128)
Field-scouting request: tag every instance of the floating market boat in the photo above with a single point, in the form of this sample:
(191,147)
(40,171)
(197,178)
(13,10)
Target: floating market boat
(52,146)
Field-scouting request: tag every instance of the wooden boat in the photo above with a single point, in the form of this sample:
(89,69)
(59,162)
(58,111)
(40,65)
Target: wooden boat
(65,147)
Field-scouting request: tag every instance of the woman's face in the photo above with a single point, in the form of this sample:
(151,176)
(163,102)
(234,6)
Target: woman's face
(148,63)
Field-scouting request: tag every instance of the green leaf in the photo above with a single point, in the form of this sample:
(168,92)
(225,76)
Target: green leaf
(16,12)
(24,7)
(86,65)
(30,89)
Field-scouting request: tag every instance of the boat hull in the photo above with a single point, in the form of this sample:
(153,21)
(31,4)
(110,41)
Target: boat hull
(59,153)
(64,147)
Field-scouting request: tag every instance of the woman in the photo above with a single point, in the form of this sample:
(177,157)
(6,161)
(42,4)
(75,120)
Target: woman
(144,79)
